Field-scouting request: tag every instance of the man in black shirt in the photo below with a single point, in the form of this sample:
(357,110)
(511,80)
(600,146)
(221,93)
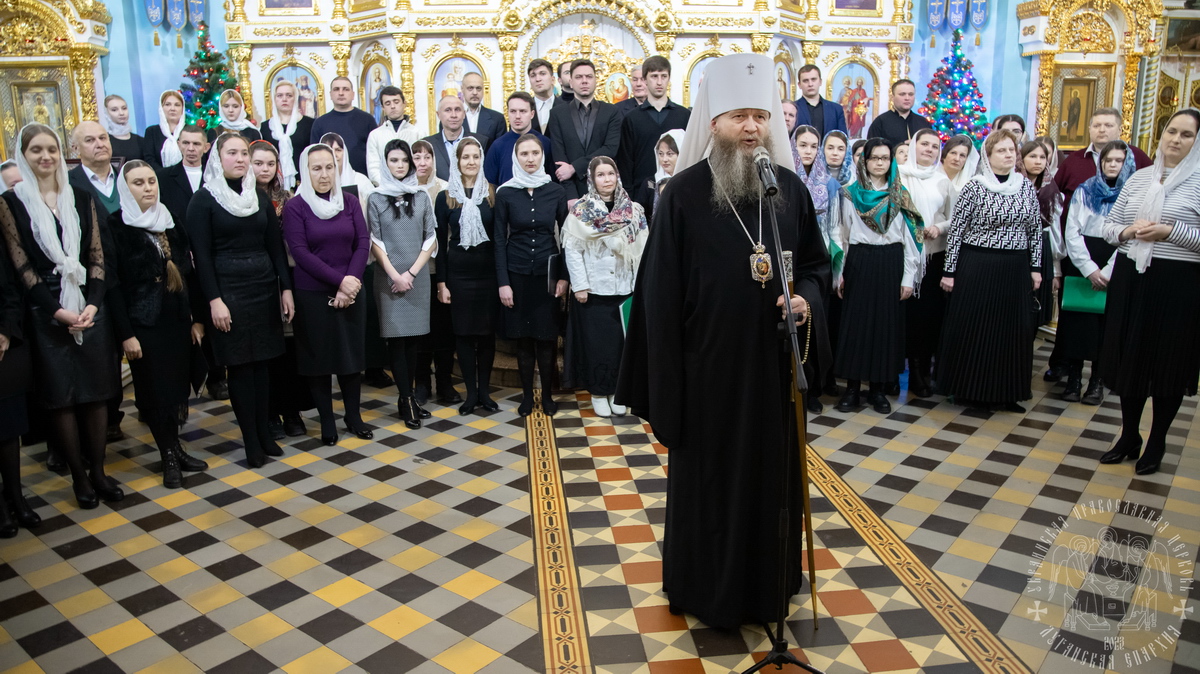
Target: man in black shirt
(584,129)
(645,124)
(901,123)
(819,113)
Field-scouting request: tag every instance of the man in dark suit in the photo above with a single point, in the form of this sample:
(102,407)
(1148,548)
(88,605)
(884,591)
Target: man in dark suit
(813,110)
(177,184)
(581,130)
(451,116)
(95,174)
(541,85)
(480,120)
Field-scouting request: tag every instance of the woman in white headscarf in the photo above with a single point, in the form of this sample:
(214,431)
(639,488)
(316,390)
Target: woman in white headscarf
(152,313)
(993,266)
(349,180)
(930,191)
(437,347)
(466,272)
(288,130)
(529,210)
(666,152)
(232,118)
(242,271)
(1152,326)
(116,120)
(162,139)
(959,162)
(326,233)
(54,240)
(404,240)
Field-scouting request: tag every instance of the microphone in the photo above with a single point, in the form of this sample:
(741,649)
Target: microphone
(766,171)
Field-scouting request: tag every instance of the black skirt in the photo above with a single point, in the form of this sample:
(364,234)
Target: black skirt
(14,417)
(535,311)
(595,338)
(250,290)
(871,338)
(1152,333)
(1080,333)
(328,340)
(65,373)
(925,313)
(1045,293)
(162,376)
(987,342)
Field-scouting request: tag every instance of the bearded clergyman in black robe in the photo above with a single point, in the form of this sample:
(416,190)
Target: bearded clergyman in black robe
(706,360)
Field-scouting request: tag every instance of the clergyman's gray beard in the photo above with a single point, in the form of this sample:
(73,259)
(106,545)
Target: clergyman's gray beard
(735,178)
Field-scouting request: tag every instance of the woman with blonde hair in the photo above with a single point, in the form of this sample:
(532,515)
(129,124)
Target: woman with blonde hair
(231,113)
(289,130)
(116,121)
(162,139)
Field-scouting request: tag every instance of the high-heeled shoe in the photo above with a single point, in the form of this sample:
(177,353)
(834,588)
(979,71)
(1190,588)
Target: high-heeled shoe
(1151,458)
(360,430)
(21,512)
(421,412)
(408,412)
(107,488)
(1123,450)
(486,402)
(329,440)
(85,495)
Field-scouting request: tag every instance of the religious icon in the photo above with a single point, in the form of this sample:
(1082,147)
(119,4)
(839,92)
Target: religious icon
(286,7)
(38,103)
(856,8)
(617,87)
(760,265)
(695,77)
(857,96)
(309,100)
(1183,35)
(375,78)
(1167,95)
(783,81)
(1079,100)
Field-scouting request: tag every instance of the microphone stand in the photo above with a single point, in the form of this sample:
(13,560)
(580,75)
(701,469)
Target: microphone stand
(779,654)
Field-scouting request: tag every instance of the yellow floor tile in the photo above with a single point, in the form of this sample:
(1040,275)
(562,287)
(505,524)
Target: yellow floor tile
(299,459)
(213,598)
(320,661)
(176,568)
(241,478)
(82,603)
(293,564)
(121,636)
(400,622)
(50,575)
(414,558)
(249,540)
(378,492)
(466,656)
(211,519)
(176,664)
(342,592)
(176,499)
(103,523)
(135,545)
(261,630)
(277,496)
(317,514)
(471,584)
(364,535)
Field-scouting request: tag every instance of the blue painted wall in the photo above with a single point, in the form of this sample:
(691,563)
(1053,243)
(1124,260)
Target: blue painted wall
(1003,74)
(139,71)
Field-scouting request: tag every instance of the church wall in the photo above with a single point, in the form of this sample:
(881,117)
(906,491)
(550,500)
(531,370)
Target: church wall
(136,69)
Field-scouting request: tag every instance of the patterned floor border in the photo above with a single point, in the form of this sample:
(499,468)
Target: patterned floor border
(986,649)
(564,629)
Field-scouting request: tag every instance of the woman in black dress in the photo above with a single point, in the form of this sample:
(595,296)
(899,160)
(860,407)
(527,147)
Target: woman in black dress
(289,391)
(16,374)
(327,235)
(162,139)
(529,209)
(466,271)
(152,313)
(125,143)
(1152,316)
(243,274)
(54,239)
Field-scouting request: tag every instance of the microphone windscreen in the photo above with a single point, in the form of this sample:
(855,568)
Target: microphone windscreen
(761,153)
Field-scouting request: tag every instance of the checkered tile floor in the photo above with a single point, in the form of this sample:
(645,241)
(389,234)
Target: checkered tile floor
(416,552)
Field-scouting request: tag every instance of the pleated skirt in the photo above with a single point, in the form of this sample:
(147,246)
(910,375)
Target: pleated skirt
(871,338)
(1045,293)
(535,311)
(1082,333)
(925,313)
(1152,332)
(987,341)
(328,340)
(594,342)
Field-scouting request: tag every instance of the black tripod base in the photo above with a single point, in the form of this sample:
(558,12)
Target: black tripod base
(779,656)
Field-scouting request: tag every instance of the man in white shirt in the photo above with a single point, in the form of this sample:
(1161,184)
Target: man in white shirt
(395,125)
(481,120)
(95,174)
(541,85)
(451,116)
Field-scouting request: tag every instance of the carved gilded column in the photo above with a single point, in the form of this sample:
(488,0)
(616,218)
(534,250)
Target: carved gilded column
(406,44)
(1150,86)
(898,16)
(761,6)
(83,67)
(341,54)
(1045,88)
(508,52)
(896,53)
(339,10)
(241,56)
(239,11)
(811,51)
(760,43)
(664,43)
(1133,63)
(814,11)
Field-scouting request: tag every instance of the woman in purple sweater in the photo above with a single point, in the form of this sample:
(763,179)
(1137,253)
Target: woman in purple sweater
(327,236)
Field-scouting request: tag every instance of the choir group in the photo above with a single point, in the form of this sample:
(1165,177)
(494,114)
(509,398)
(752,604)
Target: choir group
(260,261)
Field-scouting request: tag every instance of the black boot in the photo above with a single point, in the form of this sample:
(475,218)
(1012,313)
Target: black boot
(919,381)
(878,398)
(19,508)
(186,461)
(1124,450)
(8,526)
(812,402)
(1095,392)
(1054,373)
(172,477)
(1071,394)
(408,412)
(850,399)
(275,425)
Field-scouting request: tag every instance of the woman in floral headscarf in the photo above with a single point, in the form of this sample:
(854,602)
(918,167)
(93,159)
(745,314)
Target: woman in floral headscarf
(603,238)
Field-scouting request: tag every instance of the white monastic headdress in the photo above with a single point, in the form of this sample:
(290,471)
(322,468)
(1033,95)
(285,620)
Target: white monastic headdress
(735,82)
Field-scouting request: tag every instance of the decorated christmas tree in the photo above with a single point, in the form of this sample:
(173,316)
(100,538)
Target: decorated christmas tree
(208,75)
(954,103)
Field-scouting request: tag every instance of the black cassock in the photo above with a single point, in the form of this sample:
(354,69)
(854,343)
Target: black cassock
(706,365)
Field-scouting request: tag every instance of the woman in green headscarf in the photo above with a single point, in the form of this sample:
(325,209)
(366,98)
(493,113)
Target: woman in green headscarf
(881,233)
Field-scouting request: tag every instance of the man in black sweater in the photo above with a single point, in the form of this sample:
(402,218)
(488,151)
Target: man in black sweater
(901,123)
(645,124)
(352,124)
(564,82)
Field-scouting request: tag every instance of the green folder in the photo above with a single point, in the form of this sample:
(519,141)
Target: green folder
(626,307)
(1078,295)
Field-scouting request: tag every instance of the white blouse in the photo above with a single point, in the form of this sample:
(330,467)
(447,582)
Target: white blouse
(931,196)
(854,231)
(1083,221)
